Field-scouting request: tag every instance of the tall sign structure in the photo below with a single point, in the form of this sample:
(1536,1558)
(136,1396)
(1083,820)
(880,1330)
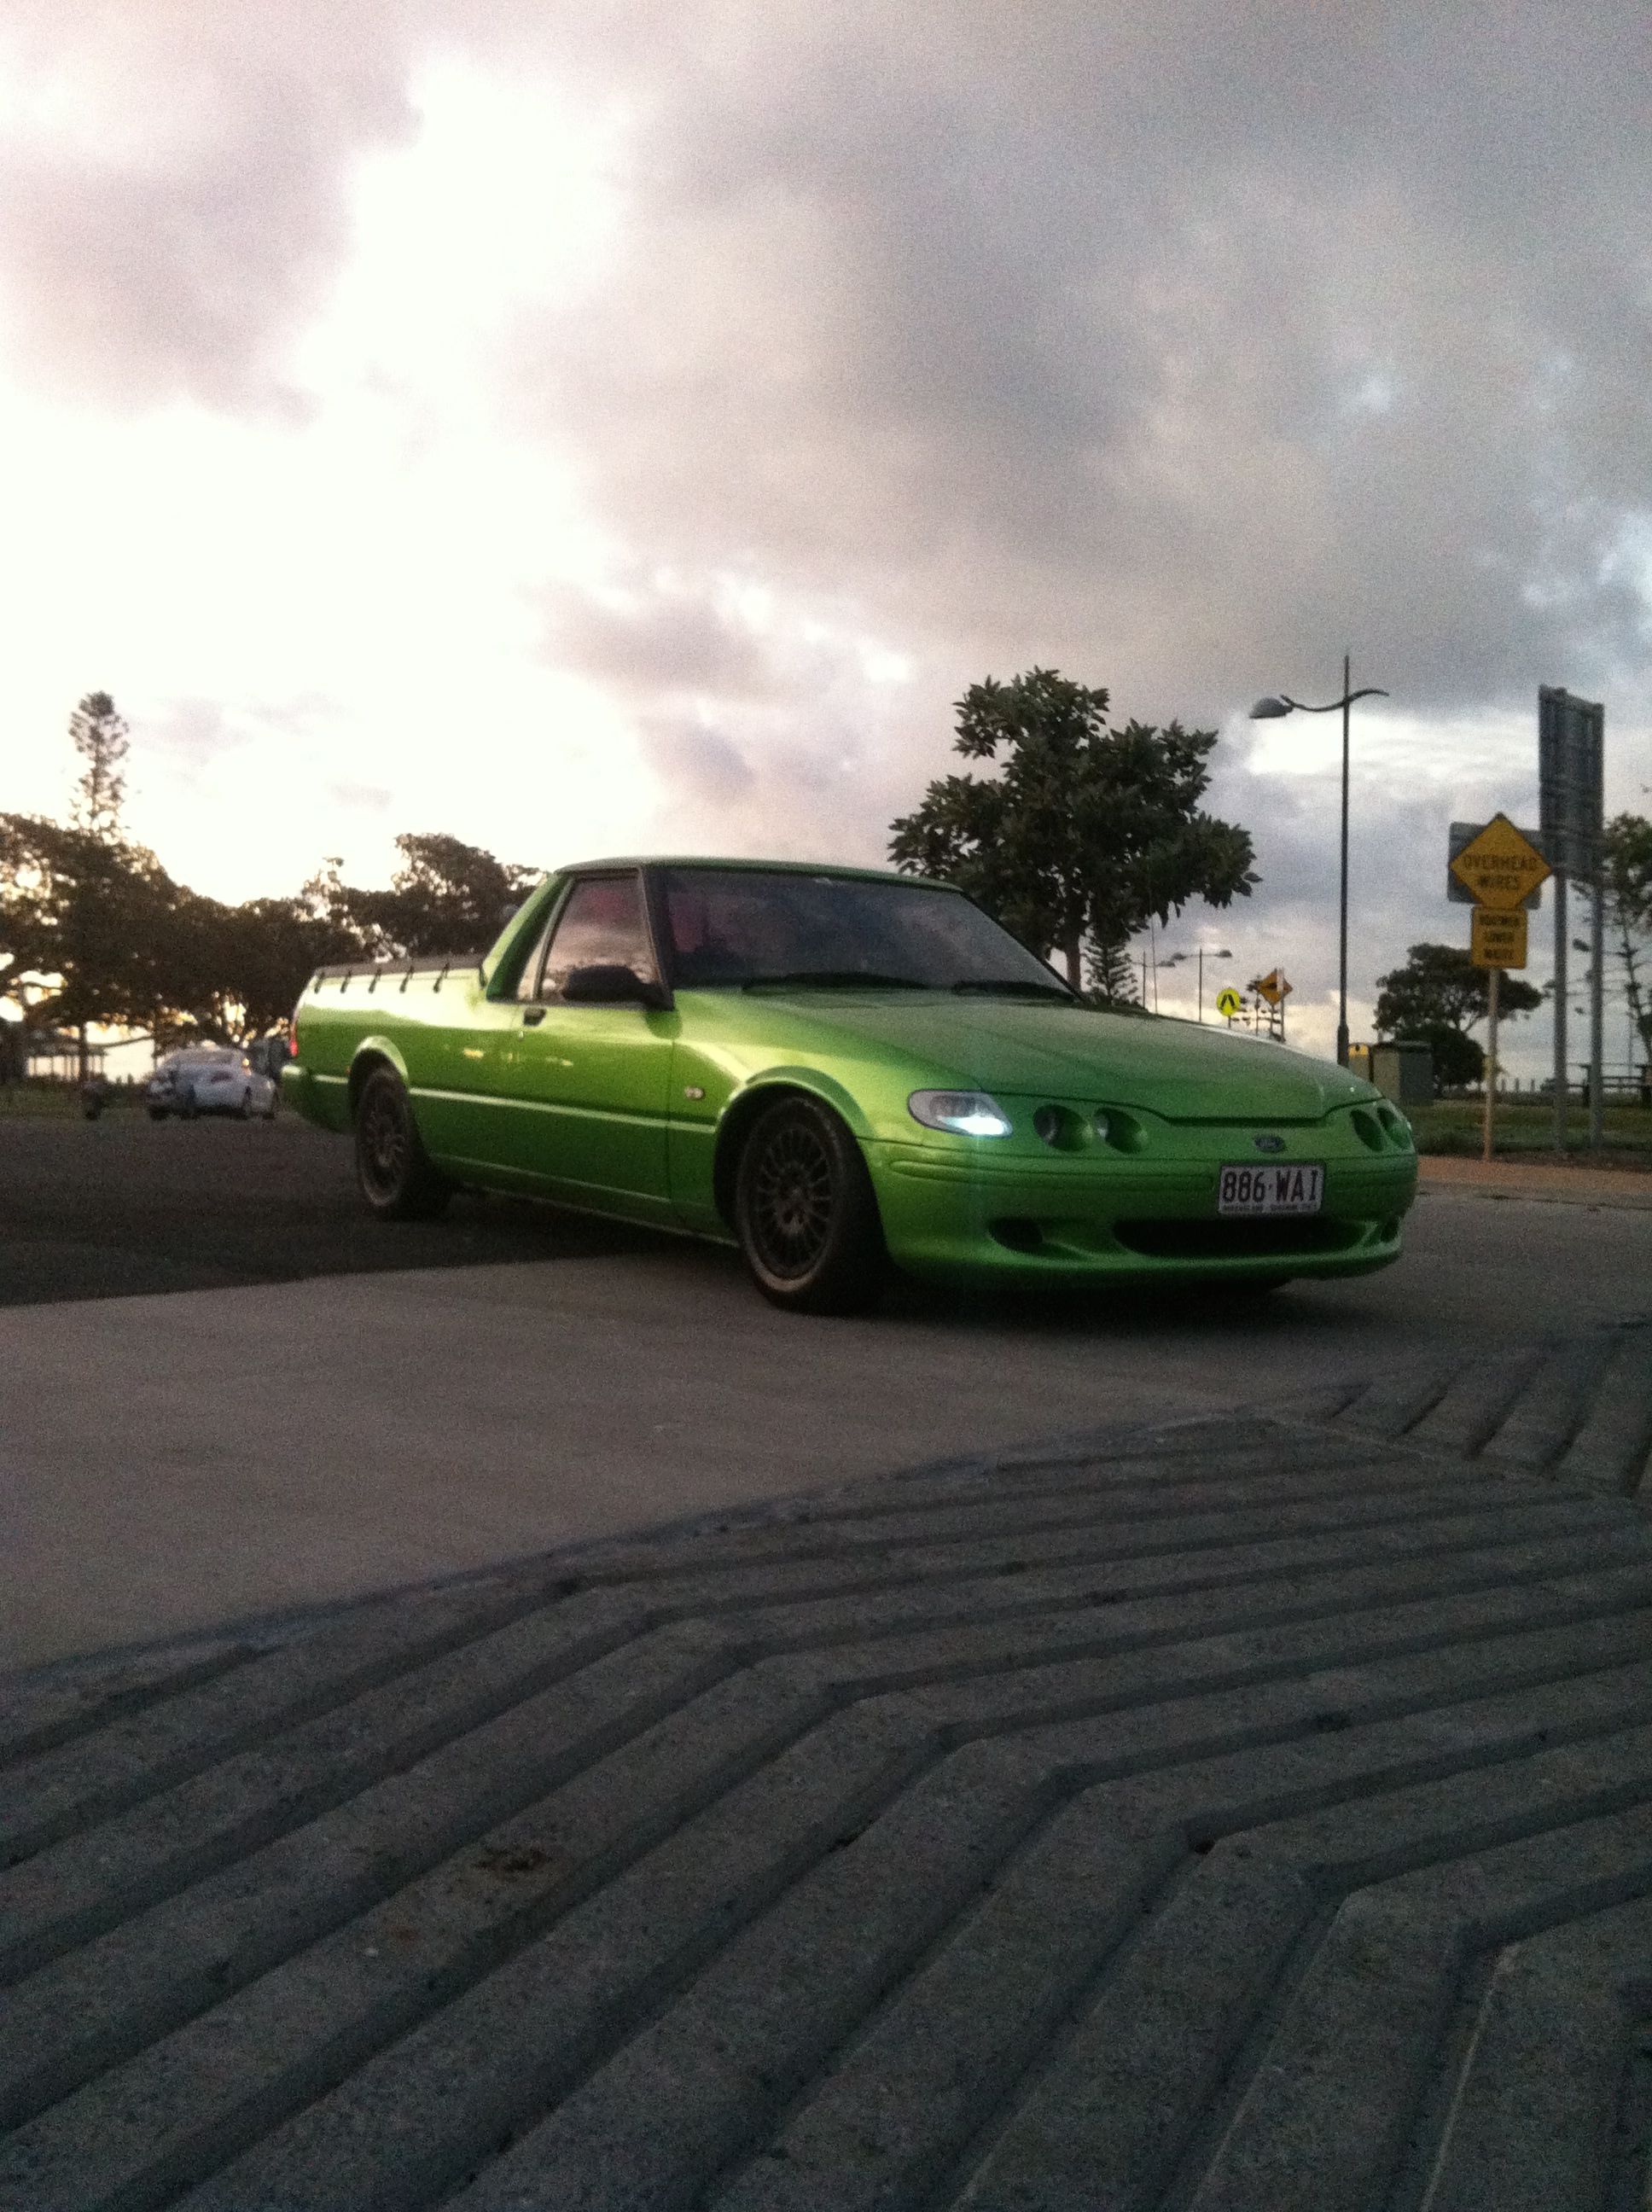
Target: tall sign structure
(1500,869)
(1570,750)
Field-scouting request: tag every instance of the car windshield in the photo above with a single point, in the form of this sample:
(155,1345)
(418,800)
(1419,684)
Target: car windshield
(748,927)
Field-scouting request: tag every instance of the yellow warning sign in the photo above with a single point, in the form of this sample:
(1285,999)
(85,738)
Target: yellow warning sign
(1272,986)
(1498,939)
(1500,867)
(1229,1002)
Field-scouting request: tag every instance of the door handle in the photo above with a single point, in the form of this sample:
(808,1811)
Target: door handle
(532,1018)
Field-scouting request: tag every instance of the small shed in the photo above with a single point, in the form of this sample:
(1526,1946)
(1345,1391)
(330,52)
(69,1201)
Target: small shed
(1404,1073)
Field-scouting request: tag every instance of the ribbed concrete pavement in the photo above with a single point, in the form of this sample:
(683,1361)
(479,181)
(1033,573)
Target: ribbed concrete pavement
(1257,1812)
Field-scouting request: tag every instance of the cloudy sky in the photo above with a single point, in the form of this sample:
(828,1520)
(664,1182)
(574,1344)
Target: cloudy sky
(597,426)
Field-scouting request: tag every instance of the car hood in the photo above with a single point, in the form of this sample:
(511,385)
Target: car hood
(1180,1070)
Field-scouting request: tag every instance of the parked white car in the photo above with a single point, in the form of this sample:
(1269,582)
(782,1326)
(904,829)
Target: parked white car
(209,1080)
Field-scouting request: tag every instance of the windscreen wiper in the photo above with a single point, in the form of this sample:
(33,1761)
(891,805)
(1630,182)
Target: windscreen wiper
(1021,986)
(838,979)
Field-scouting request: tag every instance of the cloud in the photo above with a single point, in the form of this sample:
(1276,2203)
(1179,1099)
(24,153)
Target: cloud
(834,355)
(656,640)
(174,197)
(1182,346)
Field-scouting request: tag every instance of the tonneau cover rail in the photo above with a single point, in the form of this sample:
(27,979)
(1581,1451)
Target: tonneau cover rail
(377,972)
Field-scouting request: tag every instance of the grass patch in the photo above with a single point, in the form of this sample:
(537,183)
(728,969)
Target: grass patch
(1454,1125)
(39,1101)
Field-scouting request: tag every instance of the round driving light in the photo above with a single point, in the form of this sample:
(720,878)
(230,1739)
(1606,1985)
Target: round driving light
(1047,1122)
(1099,1123)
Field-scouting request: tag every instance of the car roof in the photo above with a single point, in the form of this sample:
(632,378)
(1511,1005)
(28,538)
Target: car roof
(757,867)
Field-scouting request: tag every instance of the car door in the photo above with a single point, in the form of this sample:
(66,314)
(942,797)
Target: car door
(589,1085)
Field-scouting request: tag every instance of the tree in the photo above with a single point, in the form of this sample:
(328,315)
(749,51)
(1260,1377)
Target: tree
(1086,831)
(269,949)
(446,897)
(1436,998)
(1626,849)
(98,736)
(86,921)
(1110,975)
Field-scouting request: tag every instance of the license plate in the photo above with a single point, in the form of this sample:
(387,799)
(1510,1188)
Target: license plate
(1275,1189)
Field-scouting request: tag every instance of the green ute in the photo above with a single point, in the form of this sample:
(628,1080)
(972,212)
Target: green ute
(841,1071)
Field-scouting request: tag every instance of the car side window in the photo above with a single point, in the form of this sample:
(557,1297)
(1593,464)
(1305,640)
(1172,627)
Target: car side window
(601,925)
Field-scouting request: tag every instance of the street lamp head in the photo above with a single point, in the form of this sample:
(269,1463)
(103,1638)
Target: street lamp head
(1269,709)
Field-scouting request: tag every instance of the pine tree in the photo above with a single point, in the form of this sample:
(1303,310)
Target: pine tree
(99,735)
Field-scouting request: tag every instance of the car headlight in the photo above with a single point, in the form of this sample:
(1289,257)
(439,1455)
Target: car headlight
(960,1113)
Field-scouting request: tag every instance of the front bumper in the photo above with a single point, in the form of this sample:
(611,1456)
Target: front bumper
(961,1211)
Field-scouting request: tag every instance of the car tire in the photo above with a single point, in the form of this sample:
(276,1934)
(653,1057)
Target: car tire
(189,1109)
(392,1165)
(269,1110)
(246,1106)
(806,1212)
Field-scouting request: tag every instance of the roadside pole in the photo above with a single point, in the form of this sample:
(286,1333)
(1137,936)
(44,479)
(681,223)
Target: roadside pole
(1487,1136)
(1570,763)
(1597,1019)
(1560,1010)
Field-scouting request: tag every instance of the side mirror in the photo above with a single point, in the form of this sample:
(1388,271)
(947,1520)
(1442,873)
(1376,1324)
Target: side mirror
(609,984)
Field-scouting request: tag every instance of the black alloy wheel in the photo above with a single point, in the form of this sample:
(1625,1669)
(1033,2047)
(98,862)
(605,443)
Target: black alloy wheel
(392,1166)
(805,1213)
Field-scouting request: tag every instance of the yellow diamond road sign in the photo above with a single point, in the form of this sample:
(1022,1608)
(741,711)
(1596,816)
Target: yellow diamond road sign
(1498,939)
(1229,1002)
(1500,867)
(1272,987)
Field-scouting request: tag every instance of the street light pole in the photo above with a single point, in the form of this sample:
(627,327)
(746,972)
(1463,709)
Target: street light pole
(1342,916)
(1269,710)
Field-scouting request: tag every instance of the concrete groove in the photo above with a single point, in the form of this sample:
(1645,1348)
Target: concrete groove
(1541,1426)
(1476,1403)
(62,1895)
(1551,2032)
(1614,1442)
(134,1761)
(58,1999)
(1231,1817)
(1580,1410)
(1391,1405)
(50,1718)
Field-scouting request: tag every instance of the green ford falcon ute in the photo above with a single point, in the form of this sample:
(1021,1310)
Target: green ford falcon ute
(838,1070)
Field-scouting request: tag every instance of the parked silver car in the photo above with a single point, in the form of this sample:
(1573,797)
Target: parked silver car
(209,1080)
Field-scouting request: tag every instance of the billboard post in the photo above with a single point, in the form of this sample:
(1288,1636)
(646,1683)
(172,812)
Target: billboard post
(1570,748)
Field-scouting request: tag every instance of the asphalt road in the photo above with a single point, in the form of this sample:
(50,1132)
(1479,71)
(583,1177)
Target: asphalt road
(125,1205)
(318,1406)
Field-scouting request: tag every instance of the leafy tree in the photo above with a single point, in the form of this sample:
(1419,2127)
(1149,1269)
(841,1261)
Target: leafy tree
(268,950)
(1436,998)
(99,735)
(1086,831)
(446,897)
(1627,849)
(86,921)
